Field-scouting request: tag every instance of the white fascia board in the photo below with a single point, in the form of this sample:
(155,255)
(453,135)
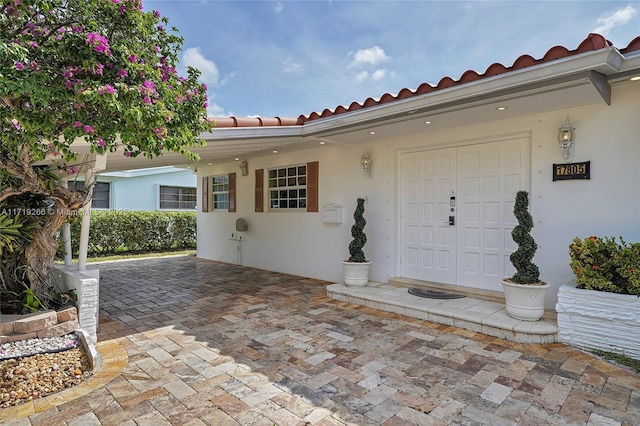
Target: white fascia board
(143,172)
(260,132)
(543,77)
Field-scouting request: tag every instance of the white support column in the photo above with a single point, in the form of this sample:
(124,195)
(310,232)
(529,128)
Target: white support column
(66,236)
(89,178)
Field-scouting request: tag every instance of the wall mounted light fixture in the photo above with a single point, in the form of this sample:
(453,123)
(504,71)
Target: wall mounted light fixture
(566,139)
(366,163)
(244,168)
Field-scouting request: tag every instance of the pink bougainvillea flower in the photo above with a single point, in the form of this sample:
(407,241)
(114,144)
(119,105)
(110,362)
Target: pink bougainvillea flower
(100,142)
(133,59)
(122,73)
(127,154)
(146,100)
(34,66)
(88,129)
(107,88)
(33,44)
(77,124)
(19,66)
(15,123)
(99,43)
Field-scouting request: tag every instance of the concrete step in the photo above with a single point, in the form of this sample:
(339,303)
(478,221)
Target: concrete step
(469,313)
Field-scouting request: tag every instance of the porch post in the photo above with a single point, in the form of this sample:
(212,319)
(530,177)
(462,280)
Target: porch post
(66,236)
(89,178)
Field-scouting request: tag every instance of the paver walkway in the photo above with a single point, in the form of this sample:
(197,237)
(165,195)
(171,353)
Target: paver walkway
(218,344)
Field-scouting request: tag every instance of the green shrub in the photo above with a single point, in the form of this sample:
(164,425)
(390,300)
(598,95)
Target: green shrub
(605,264)
(115,232)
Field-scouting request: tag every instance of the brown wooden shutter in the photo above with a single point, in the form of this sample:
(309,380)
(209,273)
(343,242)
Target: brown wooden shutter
(312,186)
(259,190)
(205,193)
(232,192)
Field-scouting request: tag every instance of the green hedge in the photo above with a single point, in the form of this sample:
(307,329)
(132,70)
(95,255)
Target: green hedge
(117,232)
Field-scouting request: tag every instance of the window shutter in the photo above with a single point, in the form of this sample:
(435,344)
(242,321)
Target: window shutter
(312,186)
(205,194)
(259,190)
(232,192)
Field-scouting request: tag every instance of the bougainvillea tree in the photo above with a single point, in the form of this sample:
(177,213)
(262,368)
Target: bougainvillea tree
(99,70)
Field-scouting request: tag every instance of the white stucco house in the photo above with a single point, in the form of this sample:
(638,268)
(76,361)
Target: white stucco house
(439,167)
(156,188)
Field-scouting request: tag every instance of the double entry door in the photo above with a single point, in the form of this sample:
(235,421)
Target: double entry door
(457,212)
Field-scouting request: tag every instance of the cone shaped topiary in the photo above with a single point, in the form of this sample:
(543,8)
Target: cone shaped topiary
(526,271)
(356,254)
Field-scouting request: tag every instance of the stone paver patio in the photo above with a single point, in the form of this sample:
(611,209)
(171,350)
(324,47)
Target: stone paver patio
(218,344)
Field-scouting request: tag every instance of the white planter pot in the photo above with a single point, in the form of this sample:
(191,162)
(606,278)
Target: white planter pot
(356,274)
(591,319)
(525,302)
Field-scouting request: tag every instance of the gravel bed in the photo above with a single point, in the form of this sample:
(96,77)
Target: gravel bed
(26,377)
(39,346)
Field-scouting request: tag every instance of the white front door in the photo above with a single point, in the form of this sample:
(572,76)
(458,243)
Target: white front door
(476,185)
(429,242)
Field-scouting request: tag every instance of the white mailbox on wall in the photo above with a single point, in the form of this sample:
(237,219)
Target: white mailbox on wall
(332,213)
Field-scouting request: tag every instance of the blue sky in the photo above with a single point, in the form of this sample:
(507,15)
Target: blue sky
(287,58)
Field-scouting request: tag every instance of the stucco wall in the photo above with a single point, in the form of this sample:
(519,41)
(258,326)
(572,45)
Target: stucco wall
(141,192)
(299,243)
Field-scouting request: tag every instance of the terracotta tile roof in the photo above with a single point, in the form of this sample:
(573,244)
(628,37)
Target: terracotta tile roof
(593,42)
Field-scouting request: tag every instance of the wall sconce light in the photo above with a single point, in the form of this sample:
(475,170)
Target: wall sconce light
(244,168)
(367,163)
(566,138)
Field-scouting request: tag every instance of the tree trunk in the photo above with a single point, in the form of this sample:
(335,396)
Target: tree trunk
(41,251)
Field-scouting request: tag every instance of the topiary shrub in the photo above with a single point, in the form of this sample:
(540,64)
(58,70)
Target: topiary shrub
(526,271)
(356,254)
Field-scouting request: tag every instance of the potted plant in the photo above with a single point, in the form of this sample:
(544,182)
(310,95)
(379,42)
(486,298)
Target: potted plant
(524,292)
(356,268)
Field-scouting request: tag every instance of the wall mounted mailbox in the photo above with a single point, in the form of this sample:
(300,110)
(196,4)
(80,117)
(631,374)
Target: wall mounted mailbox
(332,213)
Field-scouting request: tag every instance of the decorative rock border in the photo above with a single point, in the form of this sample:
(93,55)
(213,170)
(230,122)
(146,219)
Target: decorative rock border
(38,325)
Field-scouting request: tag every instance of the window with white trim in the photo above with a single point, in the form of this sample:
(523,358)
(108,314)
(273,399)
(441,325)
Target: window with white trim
(288,187)
(101,198)
(177,197)
(220,192)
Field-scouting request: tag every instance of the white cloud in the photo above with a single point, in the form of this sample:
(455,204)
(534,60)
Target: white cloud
(215,110)
(619,18)
(193,57)
(279,7)
(362,76)
(291,66)
(378,74)
(371,56)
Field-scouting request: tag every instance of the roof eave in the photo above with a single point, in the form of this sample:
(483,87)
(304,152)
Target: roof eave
(553,75)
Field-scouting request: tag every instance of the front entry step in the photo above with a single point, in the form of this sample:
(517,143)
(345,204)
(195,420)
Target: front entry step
(481,316)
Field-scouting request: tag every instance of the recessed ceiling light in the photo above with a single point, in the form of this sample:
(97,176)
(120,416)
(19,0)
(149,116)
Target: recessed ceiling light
(372,132)
(210,163)
(275,151)
(427,122)
(321,142)
(635,78)
(502,108)
(237,159)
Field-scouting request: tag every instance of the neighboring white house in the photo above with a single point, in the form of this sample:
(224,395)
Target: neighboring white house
(444,164)
(158,188)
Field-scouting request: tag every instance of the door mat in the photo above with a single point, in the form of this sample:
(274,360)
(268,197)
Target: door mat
(430,294)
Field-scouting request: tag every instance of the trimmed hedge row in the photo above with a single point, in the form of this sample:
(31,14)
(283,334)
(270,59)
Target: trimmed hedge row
(117,232)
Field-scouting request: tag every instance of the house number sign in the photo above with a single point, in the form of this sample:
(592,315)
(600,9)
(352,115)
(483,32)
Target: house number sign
(570,171)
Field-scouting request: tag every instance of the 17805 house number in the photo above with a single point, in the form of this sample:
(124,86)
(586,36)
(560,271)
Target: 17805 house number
(571,171)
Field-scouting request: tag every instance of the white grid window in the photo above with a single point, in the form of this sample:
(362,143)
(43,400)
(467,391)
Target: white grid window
(288,187)
(220,189)
(177,198)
